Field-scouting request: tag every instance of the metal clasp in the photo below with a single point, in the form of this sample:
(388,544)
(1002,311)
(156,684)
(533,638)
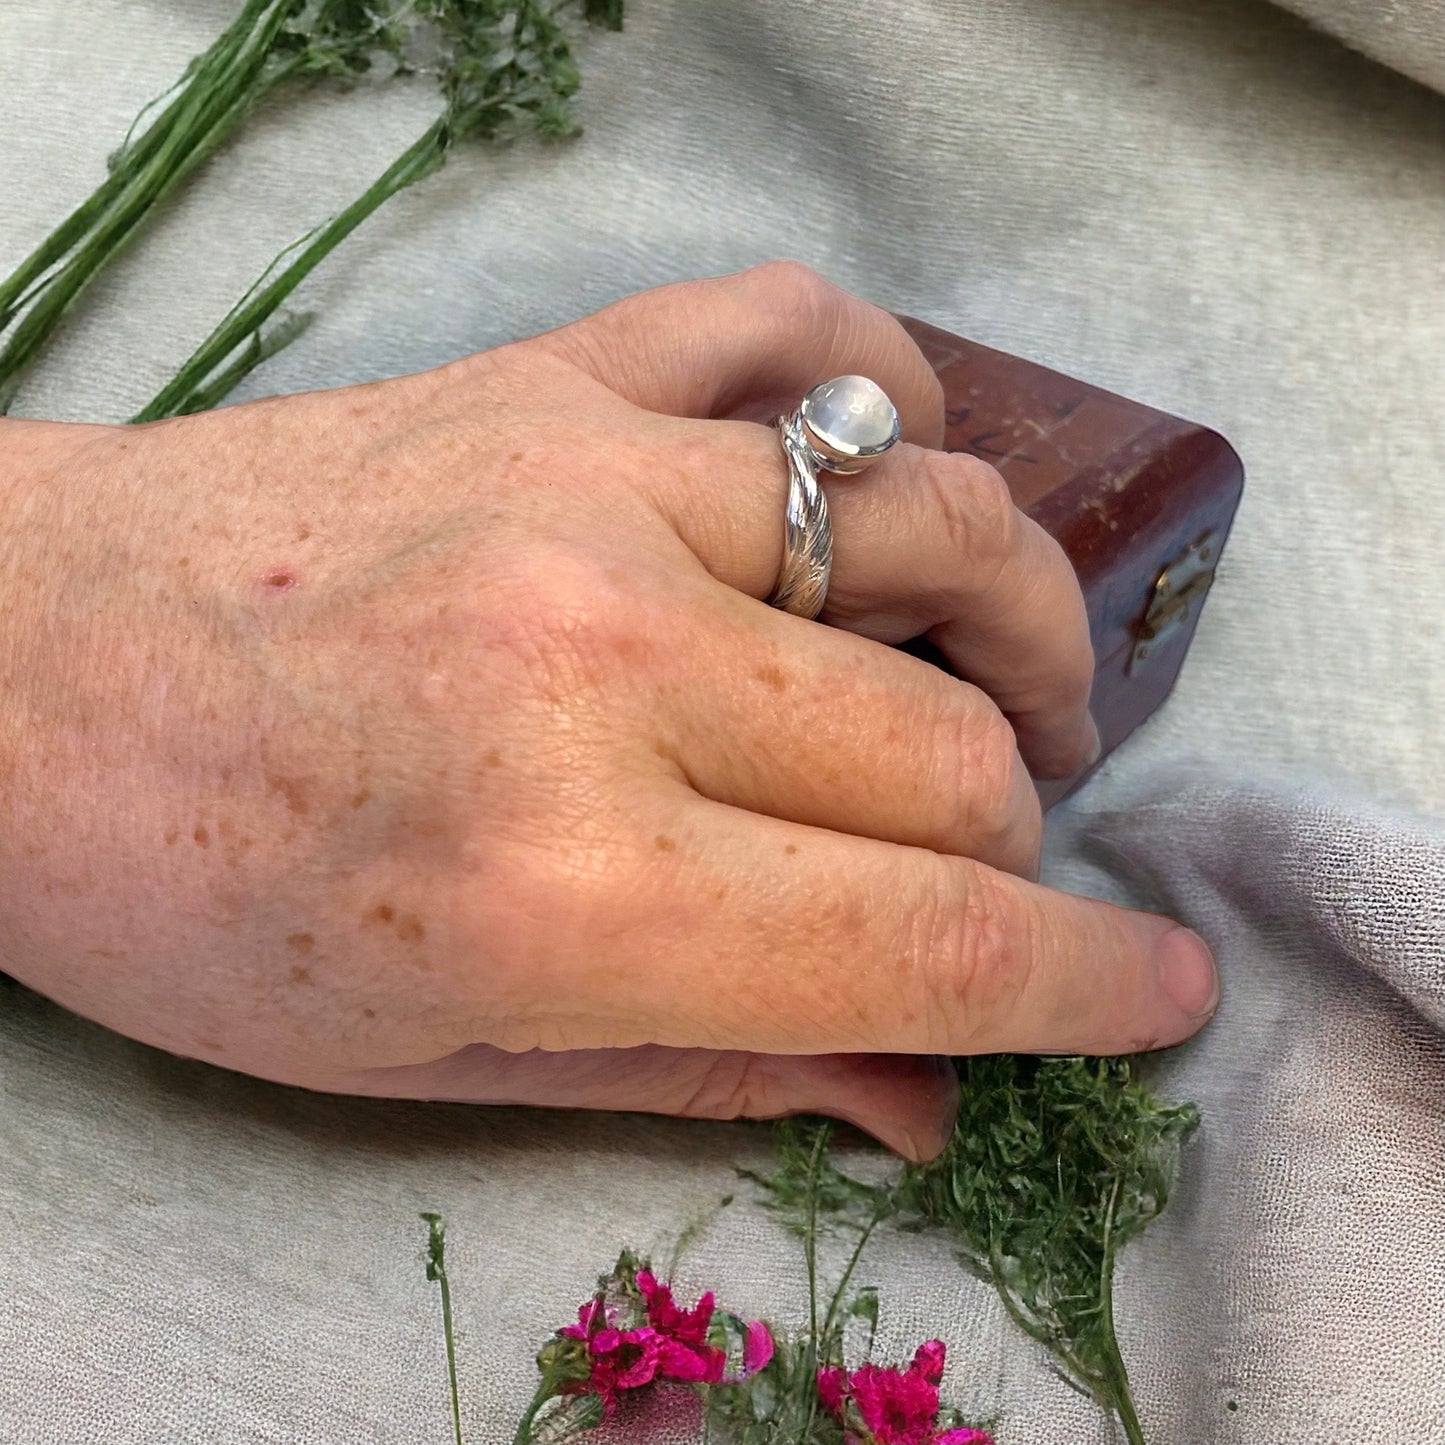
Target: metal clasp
(1178,587)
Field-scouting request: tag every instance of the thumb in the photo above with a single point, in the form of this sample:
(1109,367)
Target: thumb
(906,1102)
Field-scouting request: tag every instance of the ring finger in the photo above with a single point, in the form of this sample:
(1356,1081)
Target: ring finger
(817,726)
(924,542)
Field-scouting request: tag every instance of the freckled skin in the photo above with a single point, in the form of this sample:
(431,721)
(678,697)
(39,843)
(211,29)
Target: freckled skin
(430,738)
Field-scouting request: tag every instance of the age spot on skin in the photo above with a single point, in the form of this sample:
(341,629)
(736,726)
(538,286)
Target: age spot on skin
(791,848)
(359,798)
(409,928)
(493,758)
(300,975)
(289,789)
(665,844)
(302,943)
(171,836)
(202,836)
(774,677)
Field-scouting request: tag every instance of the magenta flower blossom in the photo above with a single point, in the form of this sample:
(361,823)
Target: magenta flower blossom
(685,1353)
(757,1348)
(896,1407)
(619,1359)
(671,1346)
(686,1326)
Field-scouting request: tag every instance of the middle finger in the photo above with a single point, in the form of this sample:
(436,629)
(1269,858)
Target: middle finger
(814,725)
(925,542)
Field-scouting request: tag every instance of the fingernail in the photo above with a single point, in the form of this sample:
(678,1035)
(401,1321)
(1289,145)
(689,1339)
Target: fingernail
(1188,974)
(1096,748)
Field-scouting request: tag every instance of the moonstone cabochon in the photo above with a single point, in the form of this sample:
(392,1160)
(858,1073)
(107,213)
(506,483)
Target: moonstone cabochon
(850,416)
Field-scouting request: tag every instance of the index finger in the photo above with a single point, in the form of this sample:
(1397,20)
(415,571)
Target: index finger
(792,939)
(751,343)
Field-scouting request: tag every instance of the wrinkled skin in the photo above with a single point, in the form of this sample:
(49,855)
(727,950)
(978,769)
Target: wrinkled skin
(430,738)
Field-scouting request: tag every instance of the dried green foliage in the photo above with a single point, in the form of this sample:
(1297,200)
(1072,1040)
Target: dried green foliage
(1054,1165)
(270,43)
(503,66)
(780,1406)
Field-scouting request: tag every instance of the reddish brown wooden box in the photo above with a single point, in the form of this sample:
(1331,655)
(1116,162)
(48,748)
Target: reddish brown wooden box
(1141,501)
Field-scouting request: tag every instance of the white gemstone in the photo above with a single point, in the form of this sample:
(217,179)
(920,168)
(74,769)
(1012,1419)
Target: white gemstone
(851,414)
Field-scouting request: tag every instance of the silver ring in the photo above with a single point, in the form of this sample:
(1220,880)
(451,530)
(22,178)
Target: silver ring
(842,426)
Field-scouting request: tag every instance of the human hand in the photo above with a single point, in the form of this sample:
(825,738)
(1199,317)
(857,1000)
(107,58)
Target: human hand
(429,738)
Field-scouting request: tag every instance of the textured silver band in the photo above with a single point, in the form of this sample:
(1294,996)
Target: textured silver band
(802,584)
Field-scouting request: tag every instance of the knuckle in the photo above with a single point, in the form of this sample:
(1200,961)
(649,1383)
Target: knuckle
(976,951)
(732,1086)
(804,297)
(986,756)
(977,511)
(551,609)
(541,907)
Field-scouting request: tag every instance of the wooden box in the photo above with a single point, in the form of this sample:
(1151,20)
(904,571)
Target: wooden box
(1141,501)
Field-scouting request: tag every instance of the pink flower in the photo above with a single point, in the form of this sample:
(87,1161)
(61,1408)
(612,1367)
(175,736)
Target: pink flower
(589,1317)
(928,1360)
(688,1326)
(669,1345)
(897,1407)
(833,1389)
(619,1359)
(757,1348)
(685,1353)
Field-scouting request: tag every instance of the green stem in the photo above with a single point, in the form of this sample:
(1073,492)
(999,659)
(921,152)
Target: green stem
(451,1358)
(837,1300)
(1118,1377)
(547,1390)
(437,1269)
(810,1354)
(206,113)
(419,160)
(257,349)
(15,289)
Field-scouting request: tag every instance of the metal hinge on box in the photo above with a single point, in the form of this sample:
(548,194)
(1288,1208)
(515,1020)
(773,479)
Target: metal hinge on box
(1179,586)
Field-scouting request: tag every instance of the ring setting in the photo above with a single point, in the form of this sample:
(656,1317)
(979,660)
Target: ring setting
(842,426)
(849,422)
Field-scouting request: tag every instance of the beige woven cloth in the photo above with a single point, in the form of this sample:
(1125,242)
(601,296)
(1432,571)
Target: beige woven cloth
(1206,204)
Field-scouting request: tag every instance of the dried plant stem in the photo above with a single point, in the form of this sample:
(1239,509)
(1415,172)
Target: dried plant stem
(225,84)
(198,384)
(437,1270)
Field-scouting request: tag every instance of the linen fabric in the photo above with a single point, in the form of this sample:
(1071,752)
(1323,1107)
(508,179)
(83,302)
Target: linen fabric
(1406,34)
(1204,204)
